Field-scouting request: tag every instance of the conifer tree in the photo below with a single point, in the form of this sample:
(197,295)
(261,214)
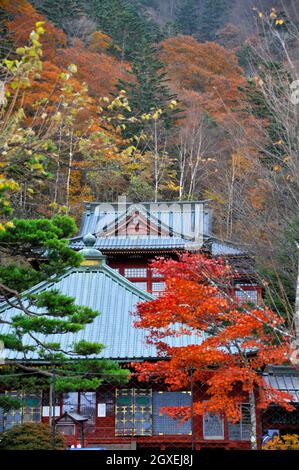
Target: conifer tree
(148,90)
(188,16)
(123,23)
(59,11)
(33,251)
(5,41)
(211,18)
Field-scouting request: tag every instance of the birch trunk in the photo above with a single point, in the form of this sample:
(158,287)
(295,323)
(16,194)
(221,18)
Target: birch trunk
(68,182)
(253,433)
(297,305)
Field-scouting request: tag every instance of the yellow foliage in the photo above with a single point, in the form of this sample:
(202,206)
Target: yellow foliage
(173,187)
(287,442)
(240,162)
(214,197)
(100,42)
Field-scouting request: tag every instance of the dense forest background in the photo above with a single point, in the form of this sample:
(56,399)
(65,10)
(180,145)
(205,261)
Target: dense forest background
(162,100)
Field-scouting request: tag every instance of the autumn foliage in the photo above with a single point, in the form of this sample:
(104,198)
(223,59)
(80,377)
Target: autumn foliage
(205,68)
(226,343)
(287,442)
(199,66)
(22,18)
(62,104)
(97,68)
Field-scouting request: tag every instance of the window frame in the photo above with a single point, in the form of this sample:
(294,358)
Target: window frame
(209,437)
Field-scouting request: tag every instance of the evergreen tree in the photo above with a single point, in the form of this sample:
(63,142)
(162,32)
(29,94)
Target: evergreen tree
(23,245)
(58,11)
(212,18)
(171,29)
(5,41)
(150,25)
(188,16)
(148,90)
(281,274)
(261,108)
(123,22)
(33,251)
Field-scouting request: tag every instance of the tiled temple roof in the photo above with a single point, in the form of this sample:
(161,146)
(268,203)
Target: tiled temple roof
(123,243)
(102,289)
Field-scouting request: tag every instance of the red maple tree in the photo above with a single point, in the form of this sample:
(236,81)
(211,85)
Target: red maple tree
(228,345)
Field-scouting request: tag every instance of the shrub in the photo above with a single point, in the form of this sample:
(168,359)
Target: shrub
(31,436)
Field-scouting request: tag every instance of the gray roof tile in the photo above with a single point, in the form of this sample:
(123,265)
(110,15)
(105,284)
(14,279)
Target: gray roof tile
(285,382)
(179,217)
(123,243)
(141,242)
(106,291)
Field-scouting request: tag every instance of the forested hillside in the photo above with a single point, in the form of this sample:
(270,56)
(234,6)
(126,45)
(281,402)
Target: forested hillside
(158,100)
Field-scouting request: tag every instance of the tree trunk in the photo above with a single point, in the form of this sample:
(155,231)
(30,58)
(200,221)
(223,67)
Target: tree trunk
(55,200)
(297,304)
(50,403)
(253,434)
(294,349)
(68,182)
(156,163)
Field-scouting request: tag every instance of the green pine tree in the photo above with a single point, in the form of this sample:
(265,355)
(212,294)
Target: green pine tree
(212,18)
(123,21)
(148,90)
(58,11)
(5,41)
(262,109)
(281,273)
(33,251)
(188,16)
(23,244)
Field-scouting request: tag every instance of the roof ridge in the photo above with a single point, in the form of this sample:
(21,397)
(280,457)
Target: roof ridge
(196,201)
(41,286)
(120,218)
(47,282)
(128,283)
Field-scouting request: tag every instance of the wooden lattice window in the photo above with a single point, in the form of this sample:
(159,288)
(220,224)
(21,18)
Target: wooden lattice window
(240,431)
(29,411)
(135,272)
(133,412)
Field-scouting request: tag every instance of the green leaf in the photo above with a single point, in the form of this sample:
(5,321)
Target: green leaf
(21,51)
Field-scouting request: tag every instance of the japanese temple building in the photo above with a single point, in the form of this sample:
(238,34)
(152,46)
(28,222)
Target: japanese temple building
(131,235)
(117,242)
